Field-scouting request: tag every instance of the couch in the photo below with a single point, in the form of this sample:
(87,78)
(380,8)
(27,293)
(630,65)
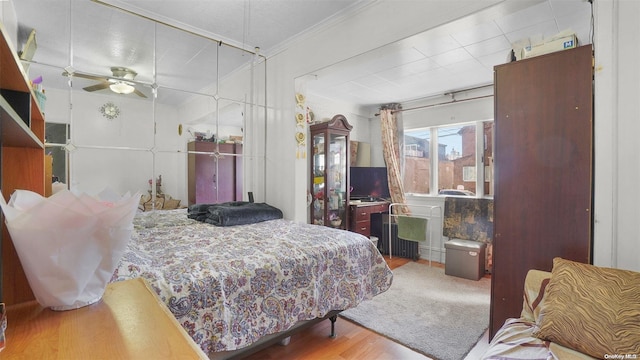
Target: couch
(576,311)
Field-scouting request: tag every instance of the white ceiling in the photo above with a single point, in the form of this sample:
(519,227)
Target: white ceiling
(456,56)
(110,33)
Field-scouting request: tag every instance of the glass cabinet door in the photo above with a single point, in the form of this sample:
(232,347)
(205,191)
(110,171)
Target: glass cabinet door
(318,181)
(336,178)
(330,173)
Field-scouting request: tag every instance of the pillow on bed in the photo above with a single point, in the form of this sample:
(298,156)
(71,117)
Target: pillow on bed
(241,213)
(591,309)
(170,204)
(143,200)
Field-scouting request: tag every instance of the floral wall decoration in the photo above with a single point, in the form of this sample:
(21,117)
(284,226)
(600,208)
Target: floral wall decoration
(304,116)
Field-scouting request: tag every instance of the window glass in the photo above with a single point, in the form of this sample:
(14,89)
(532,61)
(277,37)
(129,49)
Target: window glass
(488,157)
(455,168)
(56,138)
(417,161)
(457,157)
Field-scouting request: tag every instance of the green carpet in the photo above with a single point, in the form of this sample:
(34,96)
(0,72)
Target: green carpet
(435,314)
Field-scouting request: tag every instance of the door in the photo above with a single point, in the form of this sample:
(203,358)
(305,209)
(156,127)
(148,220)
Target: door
(224,174)
(214,178)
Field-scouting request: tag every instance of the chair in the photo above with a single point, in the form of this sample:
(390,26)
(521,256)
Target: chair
(415,227)
(412,228)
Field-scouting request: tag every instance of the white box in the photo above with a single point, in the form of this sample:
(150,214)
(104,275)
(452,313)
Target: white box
(563,43)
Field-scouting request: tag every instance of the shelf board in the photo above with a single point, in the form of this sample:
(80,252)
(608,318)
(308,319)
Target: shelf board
(13,131)
(12,74)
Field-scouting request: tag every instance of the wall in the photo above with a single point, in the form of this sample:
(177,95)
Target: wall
(617,150)
(357,33)
(366,127)
(10,22)
(124,153)
(615,228)
(472,105)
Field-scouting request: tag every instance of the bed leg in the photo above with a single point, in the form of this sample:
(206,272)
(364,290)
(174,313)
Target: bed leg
(333,326)
(285,341)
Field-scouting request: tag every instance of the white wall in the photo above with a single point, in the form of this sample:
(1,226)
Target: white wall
(616,158)
(286,175)
(472,105)
(10,22)
(366,127)
(124,153)
(617,88)
(617,150)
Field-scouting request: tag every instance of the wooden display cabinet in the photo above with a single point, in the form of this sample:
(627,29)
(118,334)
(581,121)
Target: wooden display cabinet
(329,176)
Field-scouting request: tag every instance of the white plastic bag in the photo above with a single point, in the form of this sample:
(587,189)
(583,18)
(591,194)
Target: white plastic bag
(69,244)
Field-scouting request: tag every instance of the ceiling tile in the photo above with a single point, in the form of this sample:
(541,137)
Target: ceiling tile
(534,33)
(579,22)
(420,66)
(562,8)
(415,67)
(451,57)
(490,46)
(465,66)
(491,60)
(392,59)
(525,18)
(478,33)
(373,81)
(436,46)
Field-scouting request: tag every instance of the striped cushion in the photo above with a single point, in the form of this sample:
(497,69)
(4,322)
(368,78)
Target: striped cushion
(591,309)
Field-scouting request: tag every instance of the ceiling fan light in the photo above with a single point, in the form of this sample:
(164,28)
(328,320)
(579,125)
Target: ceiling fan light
(121,88)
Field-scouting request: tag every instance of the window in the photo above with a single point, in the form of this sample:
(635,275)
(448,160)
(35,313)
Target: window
(487,156)
(460,153)
(469,174)
(417,162)
(56,139)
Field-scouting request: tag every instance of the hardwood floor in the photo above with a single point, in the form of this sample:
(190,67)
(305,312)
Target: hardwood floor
(353,342)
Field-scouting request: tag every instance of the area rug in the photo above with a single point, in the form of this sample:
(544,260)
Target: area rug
(438,315)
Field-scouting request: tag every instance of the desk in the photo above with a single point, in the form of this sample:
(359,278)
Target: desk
(130,322)
(360,215)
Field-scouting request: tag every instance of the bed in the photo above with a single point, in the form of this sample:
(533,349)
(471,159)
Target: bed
(231,286)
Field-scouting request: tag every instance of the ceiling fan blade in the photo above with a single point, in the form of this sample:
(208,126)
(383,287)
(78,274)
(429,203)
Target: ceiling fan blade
(106,81)
(86,76)
(96,87)
(139,93)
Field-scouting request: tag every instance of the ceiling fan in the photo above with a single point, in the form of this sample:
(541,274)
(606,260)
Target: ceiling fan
(120,83)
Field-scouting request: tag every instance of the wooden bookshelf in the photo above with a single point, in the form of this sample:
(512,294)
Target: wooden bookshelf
(22,158)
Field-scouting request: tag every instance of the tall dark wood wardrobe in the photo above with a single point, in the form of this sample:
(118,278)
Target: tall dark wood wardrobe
(214,180)
(543,171)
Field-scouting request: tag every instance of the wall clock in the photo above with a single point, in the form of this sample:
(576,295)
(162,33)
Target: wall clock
(110,110)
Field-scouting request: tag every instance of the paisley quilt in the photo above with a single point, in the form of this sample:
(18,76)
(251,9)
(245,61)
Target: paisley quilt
(230,286)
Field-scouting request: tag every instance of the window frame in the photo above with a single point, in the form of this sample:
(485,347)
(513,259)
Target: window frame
(481,166)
